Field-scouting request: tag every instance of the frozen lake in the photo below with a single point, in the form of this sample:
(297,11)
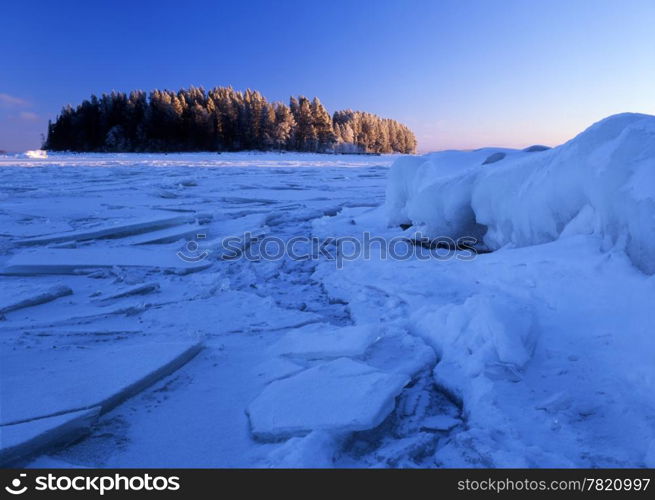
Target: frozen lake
(109,228)
(132,335)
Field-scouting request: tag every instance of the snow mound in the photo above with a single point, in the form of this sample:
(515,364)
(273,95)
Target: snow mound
(601,182)
(342,396)
(316,450)
(494,158)
(434,192)
(536,148)
(36,154)
(485,338)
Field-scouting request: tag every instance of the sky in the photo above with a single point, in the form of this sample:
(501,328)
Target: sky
(461,74)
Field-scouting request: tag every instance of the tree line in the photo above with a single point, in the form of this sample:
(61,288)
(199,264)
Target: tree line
(221,119)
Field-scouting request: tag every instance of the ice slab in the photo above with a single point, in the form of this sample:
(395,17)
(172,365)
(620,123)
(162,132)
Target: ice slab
(440,422)
(341,395)
(400,352)
(232,246)
(231,311)
(72,261)
(277,368)
(324,341)
(20,441)
(115,231)
(143,289)
(37,298)
(37,384)
(169,235)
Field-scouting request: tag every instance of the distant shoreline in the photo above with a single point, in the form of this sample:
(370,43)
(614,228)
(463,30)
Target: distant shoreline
(221,119)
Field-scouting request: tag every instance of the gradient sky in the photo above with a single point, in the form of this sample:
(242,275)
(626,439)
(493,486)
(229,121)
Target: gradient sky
(461,73)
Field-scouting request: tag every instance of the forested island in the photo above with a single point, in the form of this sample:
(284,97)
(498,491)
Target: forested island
(221,119)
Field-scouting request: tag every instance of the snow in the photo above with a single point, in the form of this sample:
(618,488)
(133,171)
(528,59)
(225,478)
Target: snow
(591,322)
(317,450)
(600,182)
(339,396)
(493,336)
(434,191)
(441,422)
(36,154)
(539,353)
(131,298)
(650,455)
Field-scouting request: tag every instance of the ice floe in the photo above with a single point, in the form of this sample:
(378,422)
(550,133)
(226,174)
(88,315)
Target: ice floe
(71,261)
(341,395)
(36,298)
(321,341)
(38,384)
(20,441)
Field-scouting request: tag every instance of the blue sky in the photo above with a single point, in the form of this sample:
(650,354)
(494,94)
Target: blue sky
(461,73)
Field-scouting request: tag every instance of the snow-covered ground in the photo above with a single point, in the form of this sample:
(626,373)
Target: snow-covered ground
(131,336)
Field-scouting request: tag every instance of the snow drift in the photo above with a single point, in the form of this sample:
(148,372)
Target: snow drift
(601,182)
(36,154)
(494,336)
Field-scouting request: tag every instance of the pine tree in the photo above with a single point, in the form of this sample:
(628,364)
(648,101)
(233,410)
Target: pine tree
(323,126)
(267,128)
(221,119)
(306,138)
(285,124)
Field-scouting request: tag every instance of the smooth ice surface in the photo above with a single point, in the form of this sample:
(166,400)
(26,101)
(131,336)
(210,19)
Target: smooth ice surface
(342,395)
